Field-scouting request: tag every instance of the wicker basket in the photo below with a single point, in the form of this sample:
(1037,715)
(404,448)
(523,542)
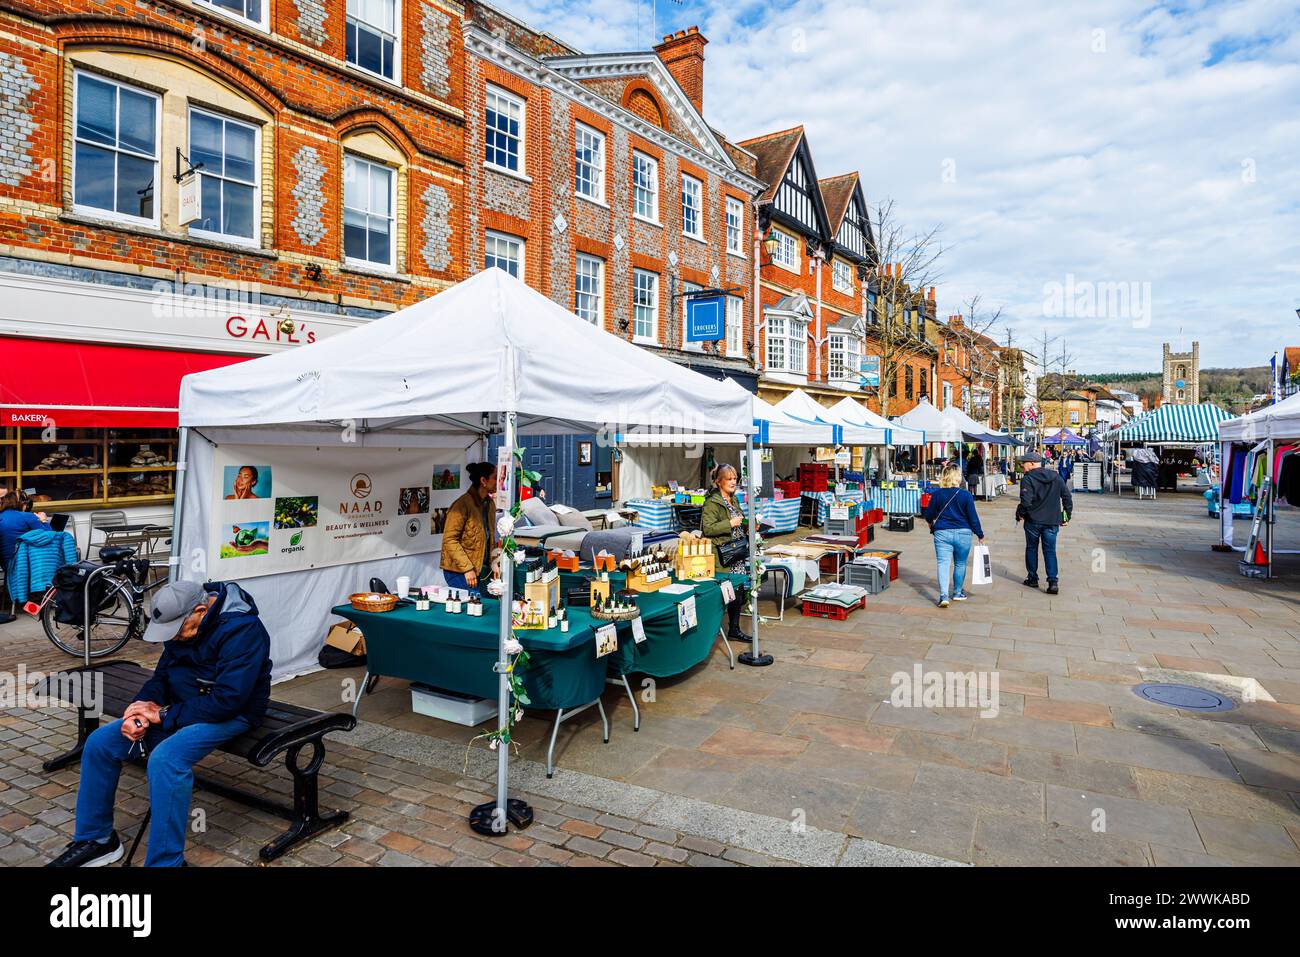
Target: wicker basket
(365,601)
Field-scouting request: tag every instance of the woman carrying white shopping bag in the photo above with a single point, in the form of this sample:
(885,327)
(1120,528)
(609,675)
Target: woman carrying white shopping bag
(954,524)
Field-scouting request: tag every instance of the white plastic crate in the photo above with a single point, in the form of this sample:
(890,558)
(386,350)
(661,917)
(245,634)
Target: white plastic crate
(451,706)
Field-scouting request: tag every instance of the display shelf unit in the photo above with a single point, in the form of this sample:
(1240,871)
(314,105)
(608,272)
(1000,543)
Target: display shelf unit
(112,481)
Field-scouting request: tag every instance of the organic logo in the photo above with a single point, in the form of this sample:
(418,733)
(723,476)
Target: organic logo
(361,485)
(295,539)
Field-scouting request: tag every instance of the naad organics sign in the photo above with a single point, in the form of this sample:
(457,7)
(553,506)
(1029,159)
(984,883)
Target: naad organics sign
(279,509)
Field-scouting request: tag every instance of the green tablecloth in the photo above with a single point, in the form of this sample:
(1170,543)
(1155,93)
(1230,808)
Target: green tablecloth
(456,652)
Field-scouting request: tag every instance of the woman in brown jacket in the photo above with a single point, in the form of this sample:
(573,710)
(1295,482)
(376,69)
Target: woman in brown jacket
(467,538)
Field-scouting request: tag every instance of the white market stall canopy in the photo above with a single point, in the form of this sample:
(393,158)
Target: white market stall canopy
(936,426)
(1172,423)
(850,410)
(772,427)
(972,430)
(1280,421)
(489,344)
(802,407)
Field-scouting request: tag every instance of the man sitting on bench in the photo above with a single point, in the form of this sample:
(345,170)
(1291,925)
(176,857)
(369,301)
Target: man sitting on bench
(212,683)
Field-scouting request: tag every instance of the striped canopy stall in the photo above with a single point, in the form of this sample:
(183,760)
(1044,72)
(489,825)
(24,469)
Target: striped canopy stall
(1172,423)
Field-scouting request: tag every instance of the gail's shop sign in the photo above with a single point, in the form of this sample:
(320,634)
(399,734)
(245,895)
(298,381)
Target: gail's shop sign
(260,329)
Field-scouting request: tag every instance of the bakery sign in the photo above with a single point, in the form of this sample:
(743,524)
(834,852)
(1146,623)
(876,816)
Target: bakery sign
(274,509)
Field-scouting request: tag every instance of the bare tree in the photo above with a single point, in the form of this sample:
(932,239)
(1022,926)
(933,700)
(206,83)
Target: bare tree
(907,264)
(975,354)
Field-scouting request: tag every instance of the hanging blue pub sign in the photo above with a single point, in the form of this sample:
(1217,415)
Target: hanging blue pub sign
(706,319)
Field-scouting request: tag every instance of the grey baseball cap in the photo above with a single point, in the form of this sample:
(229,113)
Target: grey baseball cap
(172,604)
(1031,457)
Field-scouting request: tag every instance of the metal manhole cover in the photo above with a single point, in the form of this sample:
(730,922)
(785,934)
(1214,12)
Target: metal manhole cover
(1185,697)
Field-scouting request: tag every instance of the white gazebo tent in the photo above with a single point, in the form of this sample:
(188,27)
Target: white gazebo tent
(1262,430)
(488,355)
(802,407)
(850,410)
(926,418)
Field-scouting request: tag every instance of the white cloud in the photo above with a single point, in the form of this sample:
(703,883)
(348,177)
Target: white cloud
(1088,140)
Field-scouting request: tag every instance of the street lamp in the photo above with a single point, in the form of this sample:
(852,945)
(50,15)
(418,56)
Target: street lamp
(770,242)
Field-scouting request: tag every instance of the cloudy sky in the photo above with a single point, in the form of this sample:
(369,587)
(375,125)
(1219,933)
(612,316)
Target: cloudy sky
(1116,173)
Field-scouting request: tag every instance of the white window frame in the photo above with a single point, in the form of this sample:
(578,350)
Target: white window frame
(396,35)
(791,334)
(735,326)
(849,348)
(521,105)
(736,247)
(638,336)
(787,251)
(597,195)
(842,276)
(113,214)
(263,23)
(653,189)
(509,240)
(255,239)
(580,260)
(689,287)
(693,202)
(391,265)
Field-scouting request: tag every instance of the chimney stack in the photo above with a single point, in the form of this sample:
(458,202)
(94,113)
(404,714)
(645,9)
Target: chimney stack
(683,53)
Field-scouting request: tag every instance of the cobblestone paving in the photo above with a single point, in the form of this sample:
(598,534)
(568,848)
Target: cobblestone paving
(808,762)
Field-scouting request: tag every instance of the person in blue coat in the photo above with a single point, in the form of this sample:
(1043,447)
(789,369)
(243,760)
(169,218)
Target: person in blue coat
(952,518)
(15,522)
(212,683)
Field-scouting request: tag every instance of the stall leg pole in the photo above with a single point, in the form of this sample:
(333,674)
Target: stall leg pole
(1268,506)
(492,819)
(753,657)
(178,508)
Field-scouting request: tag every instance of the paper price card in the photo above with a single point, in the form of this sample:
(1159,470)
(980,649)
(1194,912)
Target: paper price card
(687,618)
(606,640)
(638,630)
(728,591)
(839,513)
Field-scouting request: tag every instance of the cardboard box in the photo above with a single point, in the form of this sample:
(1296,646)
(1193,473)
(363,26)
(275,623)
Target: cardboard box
(346,637)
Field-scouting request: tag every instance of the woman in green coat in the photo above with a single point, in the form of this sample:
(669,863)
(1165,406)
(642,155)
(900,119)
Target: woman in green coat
(721,521)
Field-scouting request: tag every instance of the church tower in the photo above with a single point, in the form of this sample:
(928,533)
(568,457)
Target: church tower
(1182,376)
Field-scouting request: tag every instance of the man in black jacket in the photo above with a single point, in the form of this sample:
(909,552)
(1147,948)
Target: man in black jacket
(1045,505)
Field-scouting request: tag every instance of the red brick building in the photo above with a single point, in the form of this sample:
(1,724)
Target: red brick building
(330,191)
(597,179)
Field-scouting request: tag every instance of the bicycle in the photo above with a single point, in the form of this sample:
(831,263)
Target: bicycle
(120,615)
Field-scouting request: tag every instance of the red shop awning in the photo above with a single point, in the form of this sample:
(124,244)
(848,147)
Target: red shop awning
(93,385)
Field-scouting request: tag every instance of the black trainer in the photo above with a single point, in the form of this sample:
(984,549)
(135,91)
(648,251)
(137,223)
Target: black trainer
(1052,589)
(90,853)
(1031,582)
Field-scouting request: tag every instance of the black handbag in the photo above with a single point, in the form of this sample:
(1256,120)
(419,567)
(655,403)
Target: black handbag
(735,550)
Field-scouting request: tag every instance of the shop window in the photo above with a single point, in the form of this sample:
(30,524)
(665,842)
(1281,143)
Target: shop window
(504,252)
(692,207)
(588,288)
(504,130)
(645,306)
(589,163)
(115,160)
(844,358)
(645,187)
(86,467)
(369,202)
(227,150)
(372,36)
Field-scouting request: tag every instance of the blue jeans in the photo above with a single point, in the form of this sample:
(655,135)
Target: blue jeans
(951,550)
(455,580)
(1034,533)
(170,771)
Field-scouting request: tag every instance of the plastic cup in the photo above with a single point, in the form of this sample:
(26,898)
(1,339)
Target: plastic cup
(403,586)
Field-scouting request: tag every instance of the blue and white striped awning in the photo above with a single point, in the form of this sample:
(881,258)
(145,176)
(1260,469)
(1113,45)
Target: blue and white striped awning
(1172,423)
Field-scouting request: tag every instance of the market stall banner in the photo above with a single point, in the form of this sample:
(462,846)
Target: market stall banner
(277,509)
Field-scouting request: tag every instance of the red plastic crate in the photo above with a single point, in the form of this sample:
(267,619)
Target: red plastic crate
(818,609)
(789,489)
(875,516)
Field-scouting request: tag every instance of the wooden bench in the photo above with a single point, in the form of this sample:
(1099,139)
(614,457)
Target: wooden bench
(286,729)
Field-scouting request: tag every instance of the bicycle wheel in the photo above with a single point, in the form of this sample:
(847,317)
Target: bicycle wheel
(117,621)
